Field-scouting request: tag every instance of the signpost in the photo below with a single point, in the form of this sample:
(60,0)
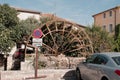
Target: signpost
(37,42)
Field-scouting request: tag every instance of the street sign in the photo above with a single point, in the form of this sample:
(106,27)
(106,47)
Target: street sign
(37,42)
(37,33)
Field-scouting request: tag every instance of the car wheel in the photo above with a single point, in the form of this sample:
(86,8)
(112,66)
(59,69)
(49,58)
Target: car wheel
(104,78)
(78,75)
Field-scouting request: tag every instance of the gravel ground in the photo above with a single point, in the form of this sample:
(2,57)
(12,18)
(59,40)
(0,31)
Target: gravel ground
(46,74)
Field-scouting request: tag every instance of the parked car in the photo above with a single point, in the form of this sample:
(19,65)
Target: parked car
(100,66)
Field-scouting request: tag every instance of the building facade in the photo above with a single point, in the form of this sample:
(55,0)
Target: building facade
(23,14)
(108,19)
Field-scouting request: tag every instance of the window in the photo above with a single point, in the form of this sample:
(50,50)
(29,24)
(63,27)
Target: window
(110,28)
(110,13)
(104,27)
(100,60)
(117,60)
(119,10)
(104,15)
(90,59)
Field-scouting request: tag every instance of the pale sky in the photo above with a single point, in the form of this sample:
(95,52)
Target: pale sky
(79,11)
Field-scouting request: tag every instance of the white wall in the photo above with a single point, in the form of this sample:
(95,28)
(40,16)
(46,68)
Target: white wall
(24,15)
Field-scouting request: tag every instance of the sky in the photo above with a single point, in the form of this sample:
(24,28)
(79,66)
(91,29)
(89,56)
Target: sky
(79,11)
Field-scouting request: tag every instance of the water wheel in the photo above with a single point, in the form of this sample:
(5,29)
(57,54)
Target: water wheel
(65,37)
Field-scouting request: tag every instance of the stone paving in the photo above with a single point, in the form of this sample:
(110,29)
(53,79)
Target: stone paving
(27,71)
(48,74)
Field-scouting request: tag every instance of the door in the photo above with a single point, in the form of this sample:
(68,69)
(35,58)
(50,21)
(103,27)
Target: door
(97,66)
(87,70)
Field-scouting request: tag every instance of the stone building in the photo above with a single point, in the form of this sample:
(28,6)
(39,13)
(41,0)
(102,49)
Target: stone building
(108,19)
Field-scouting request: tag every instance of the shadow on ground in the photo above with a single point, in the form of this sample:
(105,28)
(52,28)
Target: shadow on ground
(70,75)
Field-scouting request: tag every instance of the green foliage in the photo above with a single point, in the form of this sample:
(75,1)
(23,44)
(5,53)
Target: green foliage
(45,19)
(117,44)
(24,28)
(8,16)
(8,20)
(11,29)
(117,38)
(101,41)
(117,31)
(6,42)
(29,25)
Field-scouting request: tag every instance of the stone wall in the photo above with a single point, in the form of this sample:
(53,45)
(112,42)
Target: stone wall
(59,62)
(48,62)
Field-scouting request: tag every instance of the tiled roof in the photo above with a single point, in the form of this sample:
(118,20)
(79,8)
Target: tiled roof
(58,18)
(107,10)
(26,10)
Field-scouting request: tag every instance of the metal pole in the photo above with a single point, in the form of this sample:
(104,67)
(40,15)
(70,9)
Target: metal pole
(36,62)
(0,75)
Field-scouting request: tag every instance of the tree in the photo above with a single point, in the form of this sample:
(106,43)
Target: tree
(101,40)
(46,19)
(8,16)
(12,30)
(117,44)
(117,38)
(8,20)
(24,28)
(5,40)
(117,31)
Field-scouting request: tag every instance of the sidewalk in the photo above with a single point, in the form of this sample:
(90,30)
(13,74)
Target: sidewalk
(51,74)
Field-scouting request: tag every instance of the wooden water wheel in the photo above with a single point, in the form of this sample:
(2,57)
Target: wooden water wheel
(64,37)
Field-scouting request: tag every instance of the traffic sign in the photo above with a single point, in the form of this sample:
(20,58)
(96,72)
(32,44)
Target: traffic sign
(37,33)
(37,42)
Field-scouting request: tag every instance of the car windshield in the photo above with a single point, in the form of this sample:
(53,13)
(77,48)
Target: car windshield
(117,60)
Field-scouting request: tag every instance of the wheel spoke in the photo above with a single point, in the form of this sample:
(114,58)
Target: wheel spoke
(65,37)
